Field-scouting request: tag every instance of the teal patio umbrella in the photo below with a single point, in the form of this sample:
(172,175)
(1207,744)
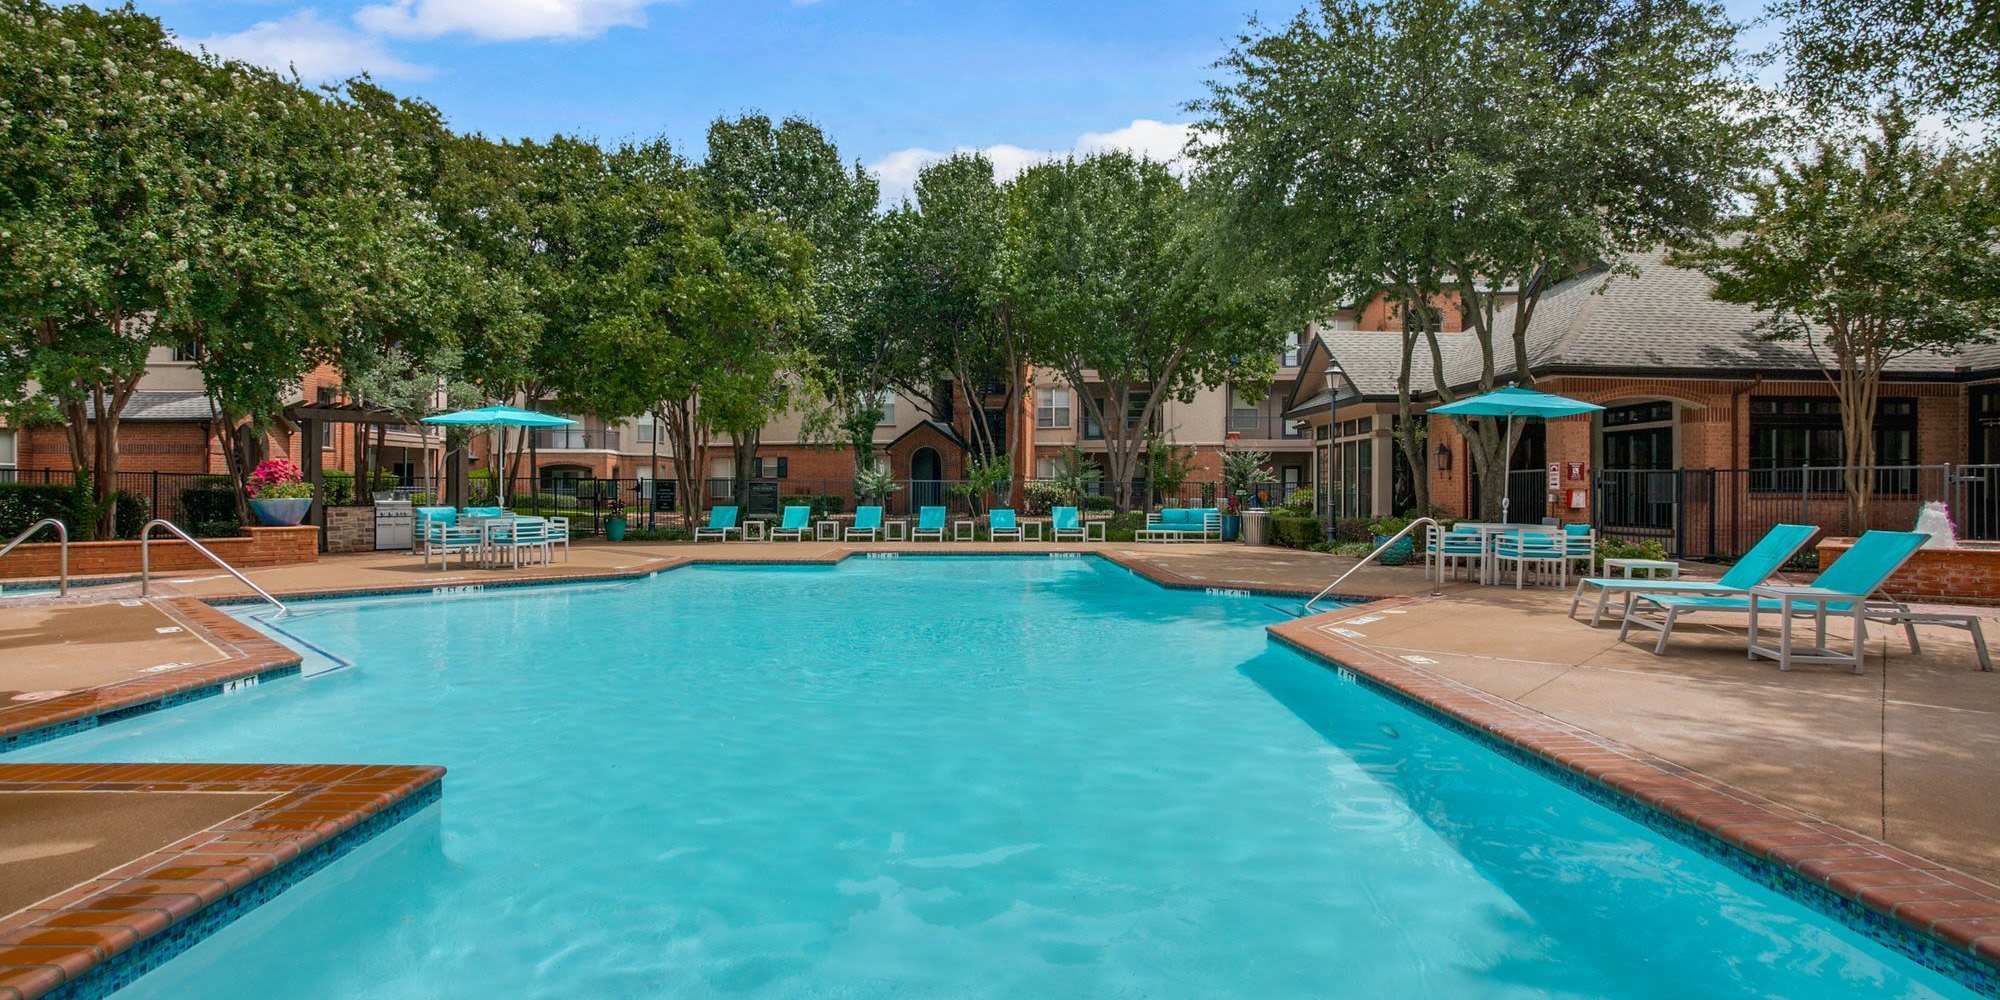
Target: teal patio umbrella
(501,417)
(1511,402)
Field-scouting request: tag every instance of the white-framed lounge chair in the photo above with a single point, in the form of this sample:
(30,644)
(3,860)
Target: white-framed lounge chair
(796,525)
(1841,589)
(1461,546)
(1540,549)
(1764,558)
(930,525)
(721,524)
(1066,524)
(867,524)
(440,534)
(1000,524)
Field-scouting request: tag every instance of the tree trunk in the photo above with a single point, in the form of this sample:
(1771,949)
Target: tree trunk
(1406,426)
(743,460)
(684,427)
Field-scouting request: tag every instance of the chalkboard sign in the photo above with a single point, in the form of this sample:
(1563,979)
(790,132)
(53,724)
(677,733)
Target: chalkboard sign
(763,497)
(663,494)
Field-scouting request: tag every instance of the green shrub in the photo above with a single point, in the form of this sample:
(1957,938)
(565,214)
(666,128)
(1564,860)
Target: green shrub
(1039,496)
(1299,503)
(1612,548)
(133,513)
(1123,527)
(1351,529)
(1295,532)
(1096,503)
(338,487)
(22,504)
(822,504)
(664,534)
(208,507)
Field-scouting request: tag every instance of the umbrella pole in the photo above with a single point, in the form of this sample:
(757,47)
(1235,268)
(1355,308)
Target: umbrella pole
(1506,468)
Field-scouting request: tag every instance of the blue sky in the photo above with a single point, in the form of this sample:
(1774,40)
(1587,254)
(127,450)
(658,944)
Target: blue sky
(895,82)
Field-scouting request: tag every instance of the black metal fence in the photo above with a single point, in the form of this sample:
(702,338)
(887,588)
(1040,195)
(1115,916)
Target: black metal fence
(164,494)
(1720,513)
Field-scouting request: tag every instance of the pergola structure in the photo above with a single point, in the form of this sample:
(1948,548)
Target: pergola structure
(311,416)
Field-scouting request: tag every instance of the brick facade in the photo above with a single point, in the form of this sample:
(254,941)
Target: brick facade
(1967,574)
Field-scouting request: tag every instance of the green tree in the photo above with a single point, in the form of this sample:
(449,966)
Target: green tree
(1469,154)
(792,173)
(1110,272)
(1875,246)
(95,216)
(1848,55)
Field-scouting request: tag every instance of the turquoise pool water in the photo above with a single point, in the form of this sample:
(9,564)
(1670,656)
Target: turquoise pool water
(1003,778)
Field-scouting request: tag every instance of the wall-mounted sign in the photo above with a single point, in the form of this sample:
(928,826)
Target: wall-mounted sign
(1575,470)
(1555,476)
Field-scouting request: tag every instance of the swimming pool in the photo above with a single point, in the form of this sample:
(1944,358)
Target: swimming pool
(970,777)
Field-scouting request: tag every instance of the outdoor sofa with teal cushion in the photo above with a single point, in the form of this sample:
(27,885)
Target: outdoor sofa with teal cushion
(1181,524)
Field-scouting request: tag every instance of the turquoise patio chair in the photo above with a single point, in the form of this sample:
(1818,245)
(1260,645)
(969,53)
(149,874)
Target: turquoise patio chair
(1841,589)
(867,524)
(1000,524)
(1756,566)
(440,534)
(930,524)
(797,523)
(1066,524)
(1539,549)
(721,523)
(1461,546)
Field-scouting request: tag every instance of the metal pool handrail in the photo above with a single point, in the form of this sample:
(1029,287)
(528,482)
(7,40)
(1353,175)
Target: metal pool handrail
(62,535)
(1393,539)
(146,560)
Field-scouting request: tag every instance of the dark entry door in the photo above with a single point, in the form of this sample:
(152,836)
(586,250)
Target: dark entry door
(926,479)
(1978,507)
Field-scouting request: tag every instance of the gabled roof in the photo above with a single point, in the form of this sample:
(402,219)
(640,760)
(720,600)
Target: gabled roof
(161,406)
(937,425)
(1645,317)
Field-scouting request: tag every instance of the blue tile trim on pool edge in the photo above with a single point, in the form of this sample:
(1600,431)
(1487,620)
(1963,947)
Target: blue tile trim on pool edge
(21,741)
(106,978)
(1919,947)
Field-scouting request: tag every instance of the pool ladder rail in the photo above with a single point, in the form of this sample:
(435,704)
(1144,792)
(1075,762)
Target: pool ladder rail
(1379,549)
(146,561)
(62,535)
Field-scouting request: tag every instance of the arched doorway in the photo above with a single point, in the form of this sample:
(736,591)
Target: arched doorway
(926,478)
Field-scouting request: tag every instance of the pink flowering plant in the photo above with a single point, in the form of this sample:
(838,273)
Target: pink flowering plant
(278,479)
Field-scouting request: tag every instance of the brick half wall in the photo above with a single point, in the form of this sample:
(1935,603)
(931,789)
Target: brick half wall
(1970,574)
(256,547)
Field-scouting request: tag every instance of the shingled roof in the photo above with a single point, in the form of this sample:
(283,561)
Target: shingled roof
(1647,317)
(161,406)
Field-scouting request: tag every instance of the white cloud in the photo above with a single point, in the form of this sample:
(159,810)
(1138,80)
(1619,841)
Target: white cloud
(1155,140)
(319,49)
(501,20)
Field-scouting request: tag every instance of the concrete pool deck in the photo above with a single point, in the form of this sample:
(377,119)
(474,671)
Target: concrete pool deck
(1901,756)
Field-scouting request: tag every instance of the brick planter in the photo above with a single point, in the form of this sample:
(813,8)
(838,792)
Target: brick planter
(255,547)
(1967,573)
(350,529)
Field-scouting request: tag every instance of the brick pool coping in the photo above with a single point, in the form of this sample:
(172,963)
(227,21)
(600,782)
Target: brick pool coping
(1939,903)
(94,936)
(247,655)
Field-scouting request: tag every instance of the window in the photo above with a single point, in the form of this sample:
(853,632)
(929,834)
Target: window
(187,351)
(1290,356)
(1245,417)
(1796,444)
(772,468)
(9,448)
(1052,407)
(887,401)
(1045,468)
(646,430)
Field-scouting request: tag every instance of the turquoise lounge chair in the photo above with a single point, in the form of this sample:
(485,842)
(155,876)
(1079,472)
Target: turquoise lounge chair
(1841,589)
(796,525)
(1067,525)
(1000,524)
(721,523)
(867,523)
(930,524)
(1756,566)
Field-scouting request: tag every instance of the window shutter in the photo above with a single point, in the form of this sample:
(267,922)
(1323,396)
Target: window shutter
(783,467)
